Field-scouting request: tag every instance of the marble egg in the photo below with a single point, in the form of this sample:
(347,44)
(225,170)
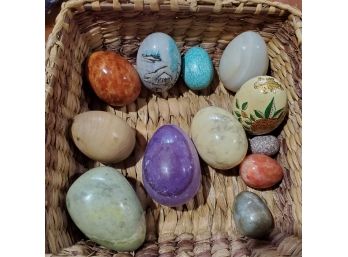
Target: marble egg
(158,62)
(260,171)
(219,138)
(198,70)
(102,136)
(171,168)
(104,206)
(268,145)
(252,216)
(260,105)
(113,78)
(244,58)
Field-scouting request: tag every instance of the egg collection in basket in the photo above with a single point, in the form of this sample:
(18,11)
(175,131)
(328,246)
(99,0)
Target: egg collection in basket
(154,158)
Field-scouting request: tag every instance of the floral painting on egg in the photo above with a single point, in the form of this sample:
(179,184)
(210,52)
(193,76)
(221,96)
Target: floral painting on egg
(260,105)
(258,120)
(158,62)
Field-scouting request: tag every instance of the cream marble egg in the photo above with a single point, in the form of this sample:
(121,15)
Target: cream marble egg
(219,138)
(244,58)
(260,105)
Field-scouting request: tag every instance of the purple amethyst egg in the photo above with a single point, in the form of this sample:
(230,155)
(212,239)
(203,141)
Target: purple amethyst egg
(171,169)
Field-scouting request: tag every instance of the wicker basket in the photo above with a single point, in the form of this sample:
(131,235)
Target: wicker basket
(204,226)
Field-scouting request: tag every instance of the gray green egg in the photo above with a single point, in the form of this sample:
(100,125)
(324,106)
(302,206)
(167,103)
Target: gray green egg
(104,206)
(252,216)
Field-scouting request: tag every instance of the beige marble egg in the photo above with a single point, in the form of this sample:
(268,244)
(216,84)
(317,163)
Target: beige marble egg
(260,105)
(102,136)
(219,138)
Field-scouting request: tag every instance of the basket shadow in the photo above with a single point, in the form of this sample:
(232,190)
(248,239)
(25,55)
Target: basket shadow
(269,70)
(83,162)
(208,90)
(93,101)
(213,86)
(280,128)
(272,188)
(203,190)
(234,172)
(136,155)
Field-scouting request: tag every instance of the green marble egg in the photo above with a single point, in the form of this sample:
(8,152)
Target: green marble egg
(104,206)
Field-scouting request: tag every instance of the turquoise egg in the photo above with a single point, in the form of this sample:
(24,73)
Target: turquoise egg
(198,71)
(104,206)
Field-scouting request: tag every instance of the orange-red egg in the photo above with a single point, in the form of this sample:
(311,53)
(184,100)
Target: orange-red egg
(113,78)
(260,171)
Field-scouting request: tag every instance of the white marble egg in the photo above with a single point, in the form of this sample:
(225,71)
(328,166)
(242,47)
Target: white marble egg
(244,58)
(158,62)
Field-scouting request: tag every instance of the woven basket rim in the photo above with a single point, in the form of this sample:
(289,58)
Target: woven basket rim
(217,6)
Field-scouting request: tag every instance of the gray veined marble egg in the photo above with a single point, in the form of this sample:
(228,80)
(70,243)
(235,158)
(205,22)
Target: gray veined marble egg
(158,62)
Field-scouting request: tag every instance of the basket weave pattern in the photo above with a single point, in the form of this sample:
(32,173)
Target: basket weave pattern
(204,226)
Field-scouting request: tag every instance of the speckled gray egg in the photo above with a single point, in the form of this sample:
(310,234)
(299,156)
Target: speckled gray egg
(158,62)
(252,216)
(268,145)
(104,206)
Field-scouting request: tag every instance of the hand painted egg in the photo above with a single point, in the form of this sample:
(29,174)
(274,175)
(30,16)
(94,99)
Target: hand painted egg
(113,78)
(171,169)
(260,171)
(104,206)
(244,58)
(260,105)
(158,62)
(219,138)
(198,70)
(103,136)
(252,216)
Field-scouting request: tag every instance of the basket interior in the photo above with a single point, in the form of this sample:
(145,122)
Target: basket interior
(207,219)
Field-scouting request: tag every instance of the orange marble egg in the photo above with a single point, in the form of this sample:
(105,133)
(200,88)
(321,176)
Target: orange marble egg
(260,171)
(113,78)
